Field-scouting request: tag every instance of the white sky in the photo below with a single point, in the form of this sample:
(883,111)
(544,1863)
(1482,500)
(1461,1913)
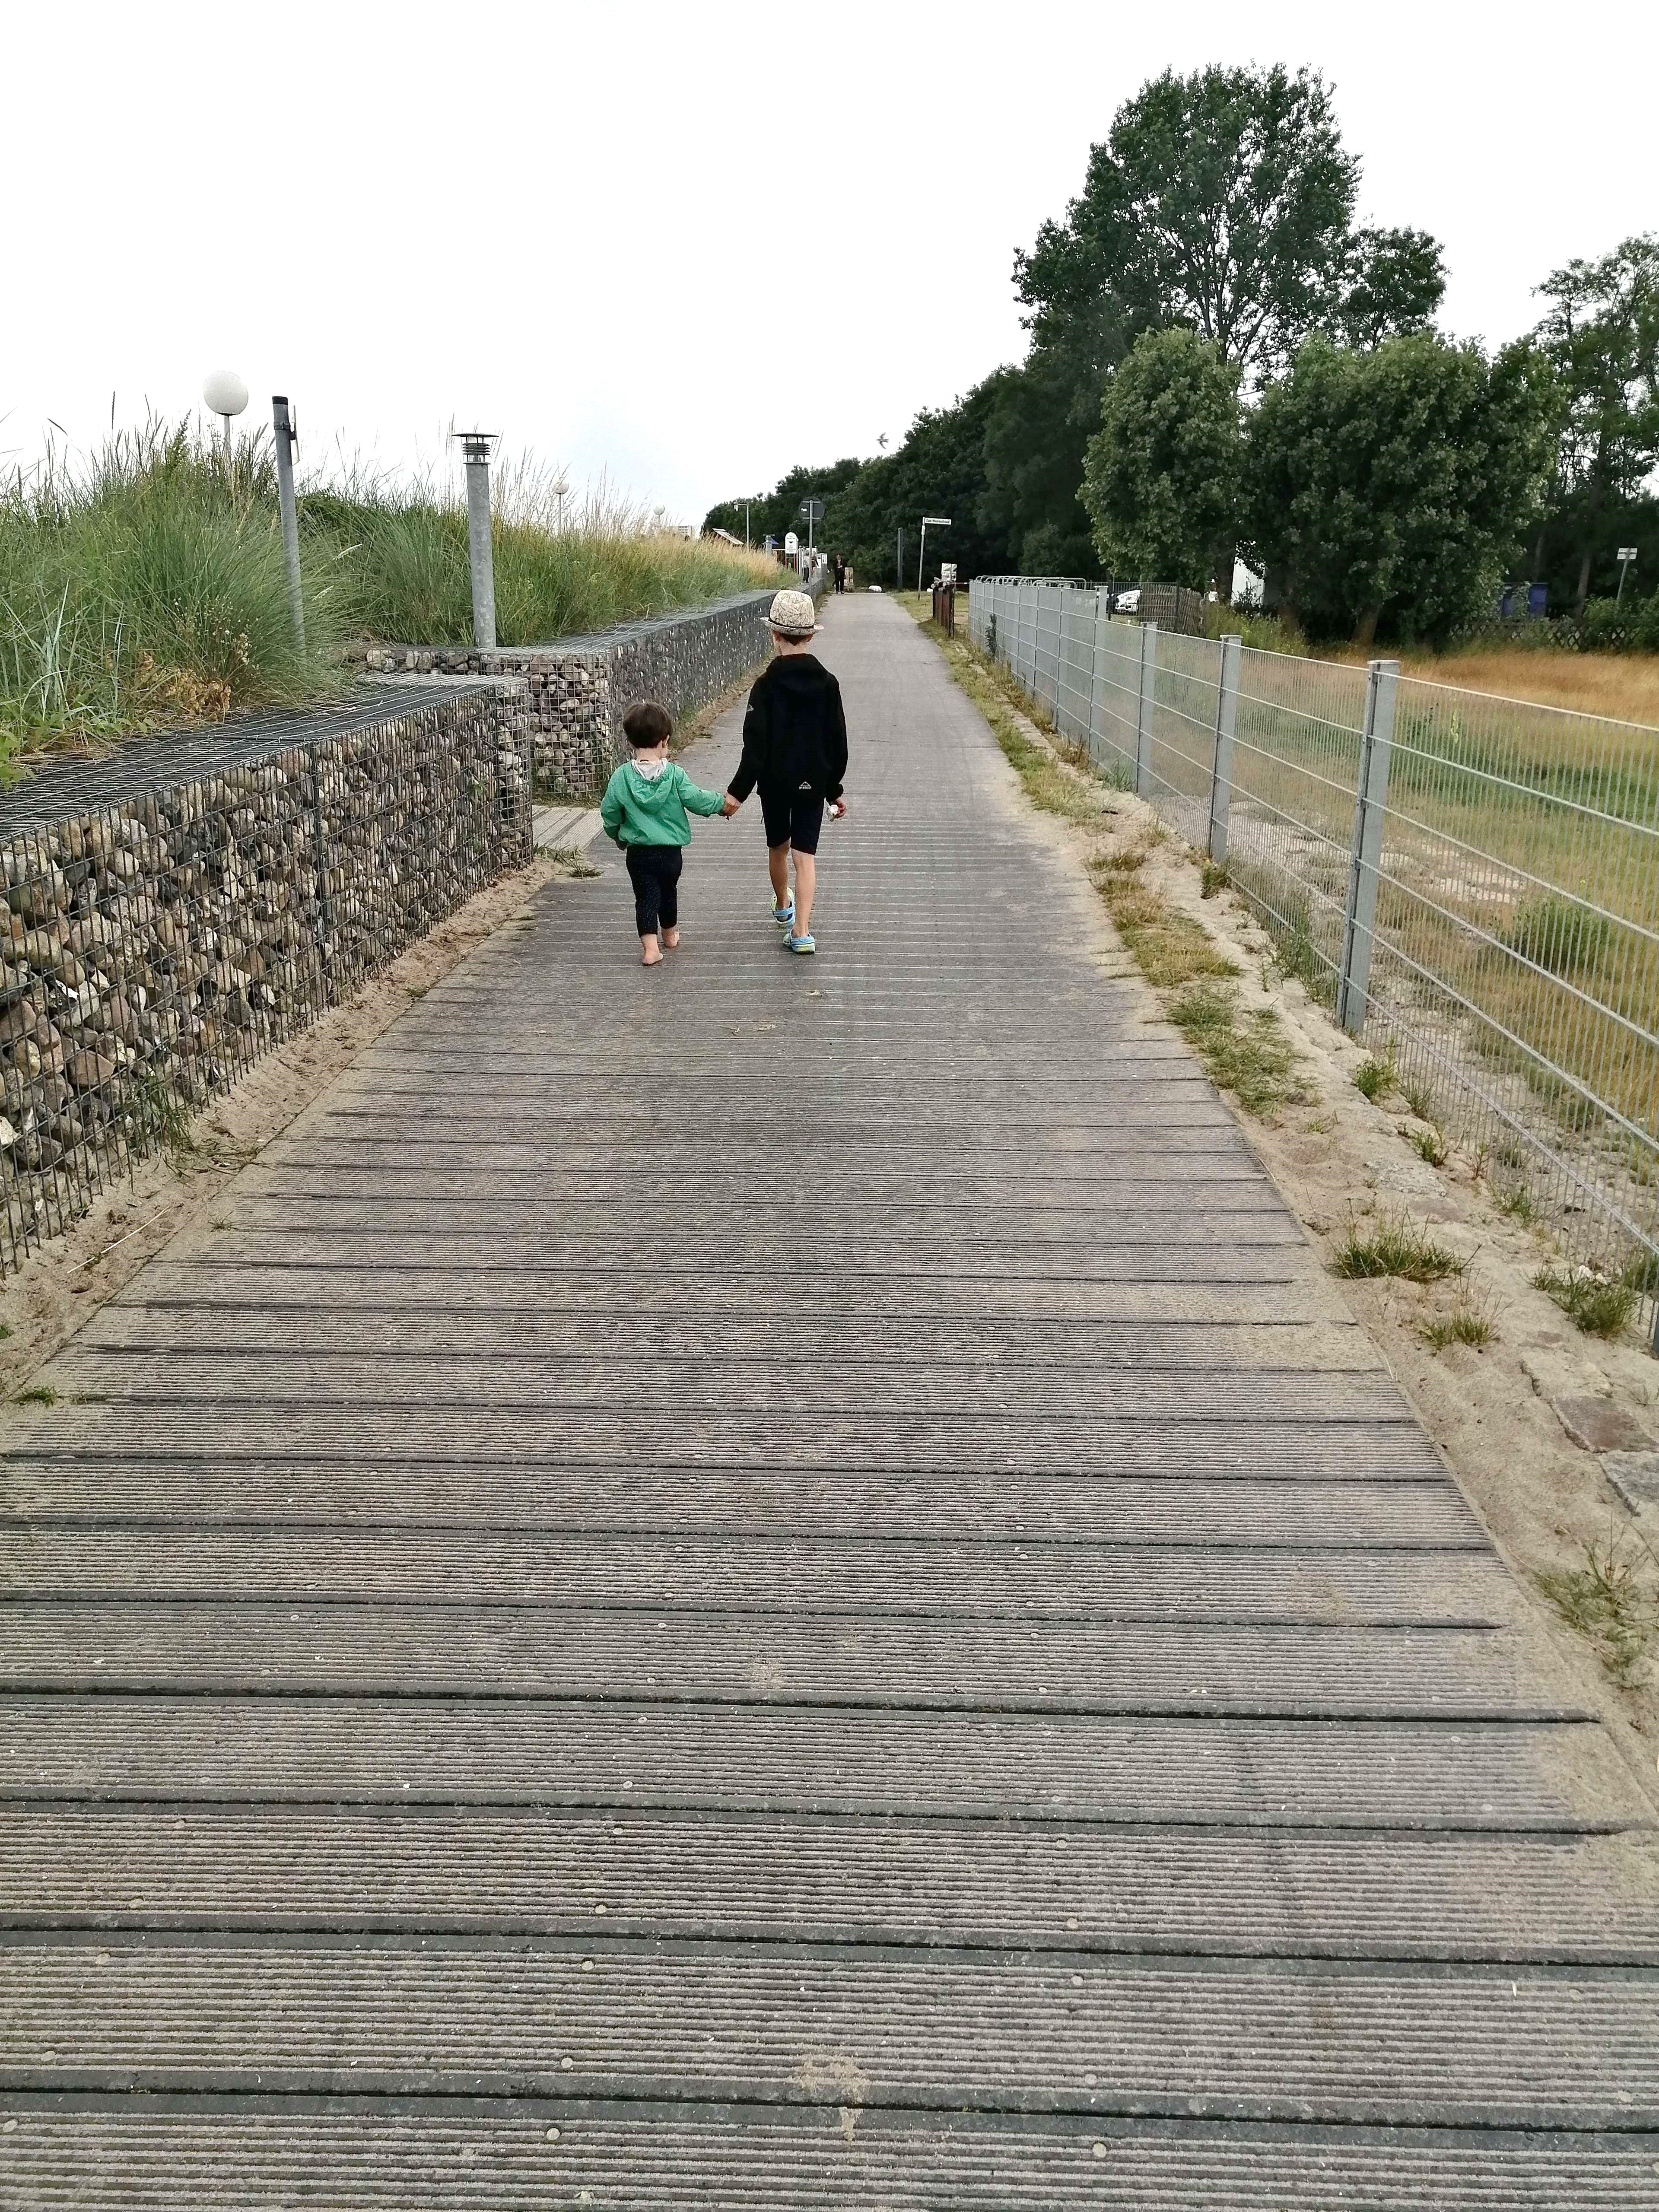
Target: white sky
(553,221)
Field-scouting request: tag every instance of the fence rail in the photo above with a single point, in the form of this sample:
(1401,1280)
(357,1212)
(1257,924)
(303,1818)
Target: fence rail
(1470,882)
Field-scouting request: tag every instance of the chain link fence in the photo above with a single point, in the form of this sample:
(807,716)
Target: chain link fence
(177,910)
(1469,883)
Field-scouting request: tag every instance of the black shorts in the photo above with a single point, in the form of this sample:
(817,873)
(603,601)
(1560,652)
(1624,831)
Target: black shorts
(792,817)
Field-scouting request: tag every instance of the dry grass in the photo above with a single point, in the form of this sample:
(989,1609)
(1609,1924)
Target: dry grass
(1623,685)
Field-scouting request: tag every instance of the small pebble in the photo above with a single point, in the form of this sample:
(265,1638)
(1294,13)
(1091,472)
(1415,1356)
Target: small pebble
(1100,2150)
(552,2135)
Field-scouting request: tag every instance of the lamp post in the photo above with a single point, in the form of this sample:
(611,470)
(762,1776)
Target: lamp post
(475,450)
(928,522)
(226,395)
(285,438)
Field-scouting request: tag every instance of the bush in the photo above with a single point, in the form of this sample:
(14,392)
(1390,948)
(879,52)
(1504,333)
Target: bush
(1560,935)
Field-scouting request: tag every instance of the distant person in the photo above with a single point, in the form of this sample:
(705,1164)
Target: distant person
(840,574)
(644,811)
(795,749)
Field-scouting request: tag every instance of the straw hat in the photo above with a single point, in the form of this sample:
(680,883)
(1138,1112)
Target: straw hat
(791,614)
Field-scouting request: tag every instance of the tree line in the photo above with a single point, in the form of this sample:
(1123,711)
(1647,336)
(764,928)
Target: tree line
(1224,361)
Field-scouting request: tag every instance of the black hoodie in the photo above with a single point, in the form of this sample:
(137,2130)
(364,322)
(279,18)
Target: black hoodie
(794,733)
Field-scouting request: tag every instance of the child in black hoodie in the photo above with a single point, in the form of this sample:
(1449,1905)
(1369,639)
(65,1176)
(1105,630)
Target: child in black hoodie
(794,749)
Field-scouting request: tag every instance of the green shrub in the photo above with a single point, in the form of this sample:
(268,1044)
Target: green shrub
(1560,935)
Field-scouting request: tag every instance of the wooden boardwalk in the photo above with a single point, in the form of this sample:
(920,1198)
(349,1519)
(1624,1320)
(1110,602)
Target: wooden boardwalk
(779,1584)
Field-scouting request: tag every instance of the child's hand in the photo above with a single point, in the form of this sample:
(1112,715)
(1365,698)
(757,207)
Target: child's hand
(837,808)
(730,805)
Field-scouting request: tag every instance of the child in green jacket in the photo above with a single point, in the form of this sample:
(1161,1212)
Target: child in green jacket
(644,810)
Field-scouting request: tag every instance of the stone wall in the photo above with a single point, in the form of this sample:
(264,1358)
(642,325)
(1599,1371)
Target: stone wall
(162,936)
(578,689)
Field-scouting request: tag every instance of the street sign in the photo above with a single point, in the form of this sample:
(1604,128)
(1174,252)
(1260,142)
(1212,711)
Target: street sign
(811,510)
(936,521)
(1626,552)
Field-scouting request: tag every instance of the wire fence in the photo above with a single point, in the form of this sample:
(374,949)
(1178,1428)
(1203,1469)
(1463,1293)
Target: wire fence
(1470,882)
(176,911)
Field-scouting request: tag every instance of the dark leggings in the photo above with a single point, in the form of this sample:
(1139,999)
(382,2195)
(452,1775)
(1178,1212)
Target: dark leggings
(655,872)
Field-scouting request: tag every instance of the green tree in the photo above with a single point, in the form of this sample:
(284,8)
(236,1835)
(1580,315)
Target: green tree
(1223,200)
(1395,481)
(1038,420)
(1601,336)
(778,511)
(939,469)
(1164,472)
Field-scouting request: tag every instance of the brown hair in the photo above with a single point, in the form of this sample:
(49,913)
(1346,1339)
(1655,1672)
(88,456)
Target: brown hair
(645,723)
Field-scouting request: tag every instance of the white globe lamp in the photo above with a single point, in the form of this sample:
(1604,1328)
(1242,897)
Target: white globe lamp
(226,395)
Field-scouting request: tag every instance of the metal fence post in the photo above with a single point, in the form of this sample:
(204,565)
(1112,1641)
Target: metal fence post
(1144,718)
(1221,782)
(1091,735)
(1365,853)
(1060,656)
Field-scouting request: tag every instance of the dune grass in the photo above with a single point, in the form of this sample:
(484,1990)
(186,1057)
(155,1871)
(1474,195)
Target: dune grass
(143,588)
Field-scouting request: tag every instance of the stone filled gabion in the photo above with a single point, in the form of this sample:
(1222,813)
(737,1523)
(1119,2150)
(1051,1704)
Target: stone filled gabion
(156,946)
(576,693)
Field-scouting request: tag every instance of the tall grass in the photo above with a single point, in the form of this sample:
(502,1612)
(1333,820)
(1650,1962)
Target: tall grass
(144,587)
(147,587)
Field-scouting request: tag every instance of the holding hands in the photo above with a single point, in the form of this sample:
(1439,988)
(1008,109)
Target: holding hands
(730,805)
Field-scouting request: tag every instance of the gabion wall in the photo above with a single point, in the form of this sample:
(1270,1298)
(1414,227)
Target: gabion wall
(159,942)
(578,688)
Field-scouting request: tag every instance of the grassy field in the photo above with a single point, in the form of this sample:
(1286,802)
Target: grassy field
(144,588)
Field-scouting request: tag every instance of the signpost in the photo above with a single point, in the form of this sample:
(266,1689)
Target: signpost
(1626,560)
(928,522)
(812,514)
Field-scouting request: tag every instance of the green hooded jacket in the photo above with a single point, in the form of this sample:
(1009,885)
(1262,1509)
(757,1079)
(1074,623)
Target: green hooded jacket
(639,810)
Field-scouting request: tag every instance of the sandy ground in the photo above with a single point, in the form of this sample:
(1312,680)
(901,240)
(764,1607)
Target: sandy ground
(1516,1420)
(59,1286)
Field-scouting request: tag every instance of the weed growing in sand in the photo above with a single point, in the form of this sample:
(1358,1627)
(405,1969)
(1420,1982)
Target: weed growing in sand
(1429,1142)
(1601,1305)
(1249,1053)
(1372,1079)
(1393,1246)
(1612,1601)
(1472,1321)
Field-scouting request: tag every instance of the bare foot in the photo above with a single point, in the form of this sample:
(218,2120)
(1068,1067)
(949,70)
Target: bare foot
(650,952)
(671,940)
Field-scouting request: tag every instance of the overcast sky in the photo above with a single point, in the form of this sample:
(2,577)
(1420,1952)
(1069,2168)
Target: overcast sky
(688,245)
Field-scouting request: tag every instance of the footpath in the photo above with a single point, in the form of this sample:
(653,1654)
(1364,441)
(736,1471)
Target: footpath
(778,1583)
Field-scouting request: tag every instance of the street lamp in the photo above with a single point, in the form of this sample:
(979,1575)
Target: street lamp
(475,451)
(226,395)
(928,522)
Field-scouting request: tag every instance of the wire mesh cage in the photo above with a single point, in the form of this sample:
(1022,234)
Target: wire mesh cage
(162,939)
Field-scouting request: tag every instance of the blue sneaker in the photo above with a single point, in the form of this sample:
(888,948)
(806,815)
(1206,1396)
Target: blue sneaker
(802,944)
(784,915)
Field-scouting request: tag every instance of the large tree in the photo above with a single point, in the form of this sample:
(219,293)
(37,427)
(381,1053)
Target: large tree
(1601,336)
(1395,481)
(1038,420)
(1224,201)
(1163,479)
